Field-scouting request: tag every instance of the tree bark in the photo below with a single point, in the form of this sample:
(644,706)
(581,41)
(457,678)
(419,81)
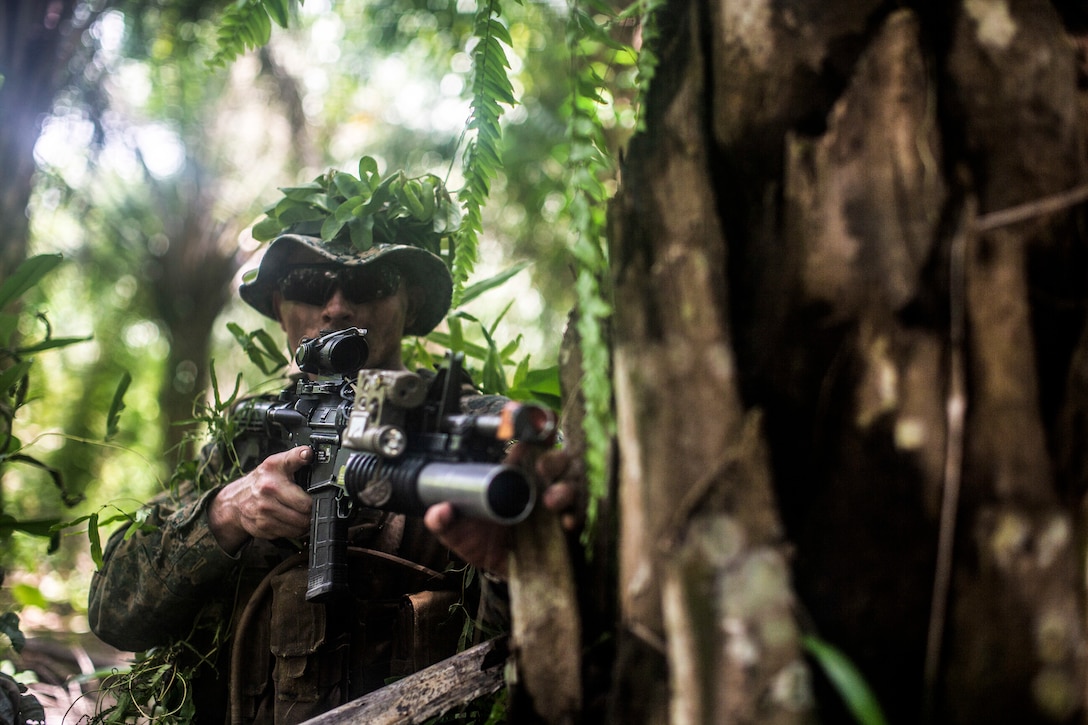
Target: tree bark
(703,588)
(829,344)
(36,42)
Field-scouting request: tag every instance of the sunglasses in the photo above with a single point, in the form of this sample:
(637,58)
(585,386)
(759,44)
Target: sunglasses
(314,284)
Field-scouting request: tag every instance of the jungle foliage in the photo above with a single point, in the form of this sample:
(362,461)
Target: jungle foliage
(528,188)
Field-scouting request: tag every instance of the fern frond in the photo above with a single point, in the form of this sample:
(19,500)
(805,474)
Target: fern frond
(246,25)
(491,87)
(590,165)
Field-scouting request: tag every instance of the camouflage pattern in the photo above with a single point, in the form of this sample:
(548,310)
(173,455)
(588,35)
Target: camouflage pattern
(17,707)
(171,581)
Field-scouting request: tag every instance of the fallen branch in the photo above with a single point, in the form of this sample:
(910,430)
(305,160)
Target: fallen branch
(431,692)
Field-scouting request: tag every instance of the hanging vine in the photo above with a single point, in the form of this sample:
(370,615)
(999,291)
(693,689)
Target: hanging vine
(591,165)
(483,156)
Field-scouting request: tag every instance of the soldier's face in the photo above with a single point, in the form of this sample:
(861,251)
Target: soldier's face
(384,318)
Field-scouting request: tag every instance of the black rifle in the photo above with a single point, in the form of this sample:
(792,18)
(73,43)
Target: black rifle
(388,440)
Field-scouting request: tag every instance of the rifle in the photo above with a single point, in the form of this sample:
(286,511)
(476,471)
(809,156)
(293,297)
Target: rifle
(387,440)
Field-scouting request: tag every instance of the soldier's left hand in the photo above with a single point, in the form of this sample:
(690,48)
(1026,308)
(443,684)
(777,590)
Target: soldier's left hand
(486,544)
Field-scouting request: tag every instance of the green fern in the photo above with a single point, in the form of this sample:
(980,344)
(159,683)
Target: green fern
(245,25)
(483,156)
(588,165)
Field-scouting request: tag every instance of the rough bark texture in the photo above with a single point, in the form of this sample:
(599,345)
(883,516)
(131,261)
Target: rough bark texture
(703,586)
(429,693)
(820,321)
(546,632)
(1012,71)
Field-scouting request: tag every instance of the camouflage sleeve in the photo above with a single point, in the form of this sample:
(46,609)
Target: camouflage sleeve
(154,583)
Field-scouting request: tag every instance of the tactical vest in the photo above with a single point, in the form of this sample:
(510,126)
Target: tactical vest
(292,659)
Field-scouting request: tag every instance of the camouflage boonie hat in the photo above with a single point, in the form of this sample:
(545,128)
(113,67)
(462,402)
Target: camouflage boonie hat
(419,267)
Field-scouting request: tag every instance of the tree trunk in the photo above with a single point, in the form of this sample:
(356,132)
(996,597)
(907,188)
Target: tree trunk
(190,285)
(36,42)
(703,569)
(847,391)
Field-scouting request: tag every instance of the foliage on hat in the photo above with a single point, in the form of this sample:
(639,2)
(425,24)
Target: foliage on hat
(366,210)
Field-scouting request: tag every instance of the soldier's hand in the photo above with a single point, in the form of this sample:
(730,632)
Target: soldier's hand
(564,475)
(266,503)
(487,545)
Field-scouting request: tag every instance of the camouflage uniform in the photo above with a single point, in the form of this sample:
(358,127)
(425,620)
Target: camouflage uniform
(17,707)
(292,659)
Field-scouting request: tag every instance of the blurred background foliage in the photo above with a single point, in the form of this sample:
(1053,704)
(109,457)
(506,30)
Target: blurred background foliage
(151,165)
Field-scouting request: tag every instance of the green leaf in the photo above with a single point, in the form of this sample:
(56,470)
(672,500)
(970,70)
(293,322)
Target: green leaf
(52,344)
(278,11)
(267,229)
(494,377)
(471,350)
(260,348)
(330,228)
(34,527)
(118,404)
(410,194)
(542,380)
(29,596)
(69,499)
(9,377)
(846,678)
(362,232)
(95,538)
(137,523)
(368,170)
(349,186)
(8,325)
(457,335)
(270,348)
(473,291)
(306,192)
(498,319)
(349,208)
(261,25)
(300,213)
(28,274)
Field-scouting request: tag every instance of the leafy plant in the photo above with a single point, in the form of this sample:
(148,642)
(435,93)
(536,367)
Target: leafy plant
(15,368)
(366,210)
(496,369)
(245,25)
(260,348)
(156,688)
(589,164)
(483,156)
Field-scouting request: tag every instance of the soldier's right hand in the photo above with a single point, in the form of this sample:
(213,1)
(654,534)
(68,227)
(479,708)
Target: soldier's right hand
(264,504)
